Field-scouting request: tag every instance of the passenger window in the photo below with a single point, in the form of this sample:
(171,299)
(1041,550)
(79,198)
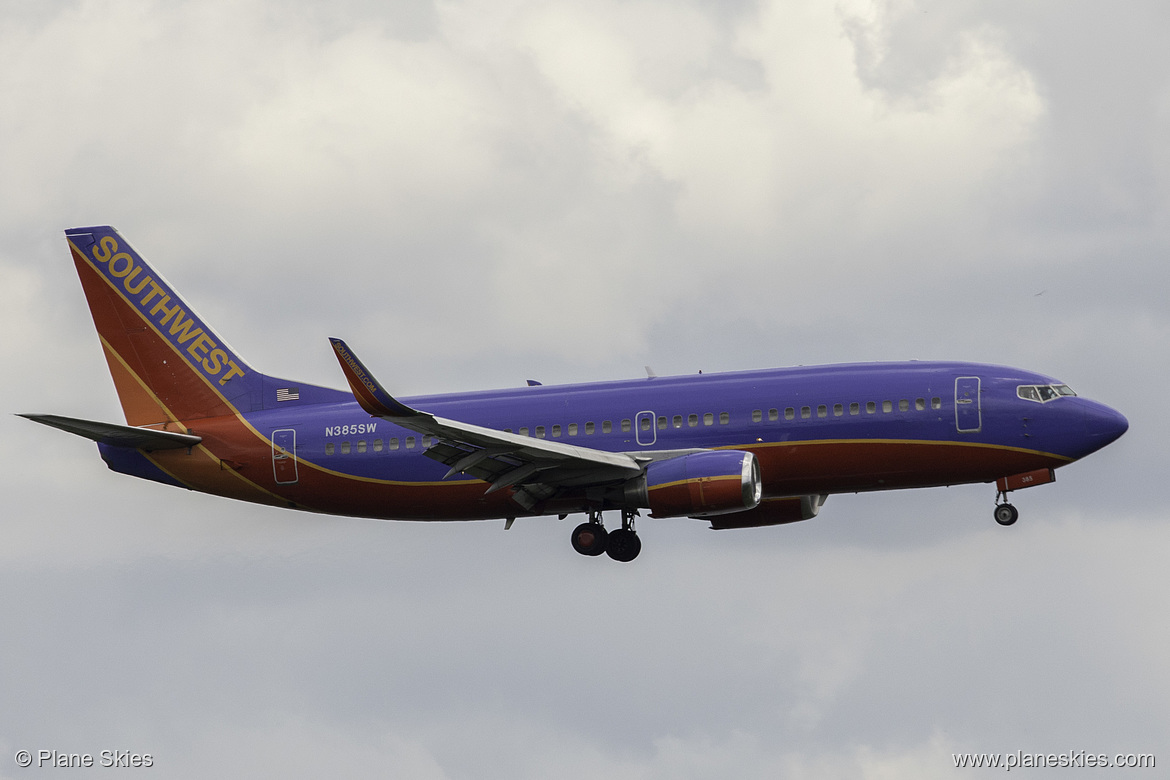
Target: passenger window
(887,406)
(838,410)
(757,415)
(919,404)
(394,444)
(936,403)
(724,418)
(708,419)
(556,431)
(790,413)
(410,442)
(677,422)
(377,445)
(903,405)
(805,412)
(361,446)
(692,420)
(345,448)
(644,423)
(662,423)
(855,408)
(627,426)
(870,407)
(540,431)
(606,426)
(588,429)
(572,429)
(524,431)
(822,411)
(773,415)
(329,448)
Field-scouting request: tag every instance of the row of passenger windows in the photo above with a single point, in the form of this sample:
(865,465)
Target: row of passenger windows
(377,445)
(871,407)
(644,423)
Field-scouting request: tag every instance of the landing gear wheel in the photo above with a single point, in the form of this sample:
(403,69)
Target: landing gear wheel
(623,545)
(1006,514)
(590,538)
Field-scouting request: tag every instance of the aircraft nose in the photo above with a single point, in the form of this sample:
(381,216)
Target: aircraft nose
(1103,425)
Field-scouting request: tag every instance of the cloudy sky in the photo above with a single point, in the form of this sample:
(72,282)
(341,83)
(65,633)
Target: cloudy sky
(477,193)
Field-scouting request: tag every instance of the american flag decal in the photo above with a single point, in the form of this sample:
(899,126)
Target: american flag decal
(288,394)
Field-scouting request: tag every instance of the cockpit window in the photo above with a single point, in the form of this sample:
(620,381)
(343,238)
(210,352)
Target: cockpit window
(1042,394)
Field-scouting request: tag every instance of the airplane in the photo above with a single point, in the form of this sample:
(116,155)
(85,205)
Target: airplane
(738,449)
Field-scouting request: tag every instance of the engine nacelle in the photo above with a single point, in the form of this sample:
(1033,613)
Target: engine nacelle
(698,485)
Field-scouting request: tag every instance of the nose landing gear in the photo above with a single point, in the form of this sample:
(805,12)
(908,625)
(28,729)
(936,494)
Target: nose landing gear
(1006,514)
(591,538)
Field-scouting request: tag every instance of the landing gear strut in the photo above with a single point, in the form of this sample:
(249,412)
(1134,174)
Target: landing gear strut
(622,544)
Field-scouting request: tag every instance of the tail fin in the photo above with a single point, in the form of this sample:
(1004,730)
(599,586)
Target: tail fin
(167,363)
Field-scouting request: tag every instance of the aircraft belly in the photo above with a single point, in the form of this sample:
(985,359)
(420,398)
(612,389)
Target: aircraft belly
(797,468)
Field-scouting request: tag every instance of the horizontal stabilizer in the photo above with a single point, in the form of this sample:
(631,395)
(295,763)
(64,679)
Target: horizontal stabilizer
(118,435)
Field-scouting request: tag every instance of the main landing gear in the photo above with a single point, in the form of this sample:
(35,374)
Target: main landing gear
(1005,513)
(622,544)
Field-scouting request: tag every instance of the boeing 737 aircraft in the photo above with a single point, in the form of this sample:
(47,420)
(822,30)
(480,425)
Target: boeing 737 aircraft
(743,449)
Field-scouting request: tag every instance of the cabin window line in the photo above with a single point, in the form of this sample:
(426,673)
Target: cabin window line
(540,431)
(773,415)
(606,426)
(345,448)
(556,431)
(724,418)
(936,403)
(708,419)
(854,408)
(588,429)
(329,448)
(790,413)
(377,445)
(361,445)
(662,423)
(627,426)
(677,421)
(757,415)
(410,442)
(805,412)
(572,429)
(692,420)
(838,410)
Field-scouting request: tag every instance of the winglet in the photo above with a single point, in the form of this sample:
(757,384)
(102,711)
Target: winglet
(369,394)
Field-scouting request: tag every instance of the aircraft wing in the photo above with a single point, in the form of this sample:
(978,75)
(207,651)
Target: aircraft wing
(118,435)
(497,457)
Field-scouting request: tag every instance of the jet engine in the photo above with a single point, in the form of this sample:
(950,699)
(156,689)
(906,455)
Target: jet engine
(698,485)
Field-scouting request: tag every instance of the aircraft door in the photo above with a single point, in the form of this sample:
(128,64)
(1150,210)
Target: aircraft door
(968,416)
(284,456)
(644,429)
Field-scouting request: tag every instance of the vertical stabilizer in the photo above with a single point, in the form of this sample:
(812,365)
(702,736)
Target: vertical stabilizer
(167,363)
